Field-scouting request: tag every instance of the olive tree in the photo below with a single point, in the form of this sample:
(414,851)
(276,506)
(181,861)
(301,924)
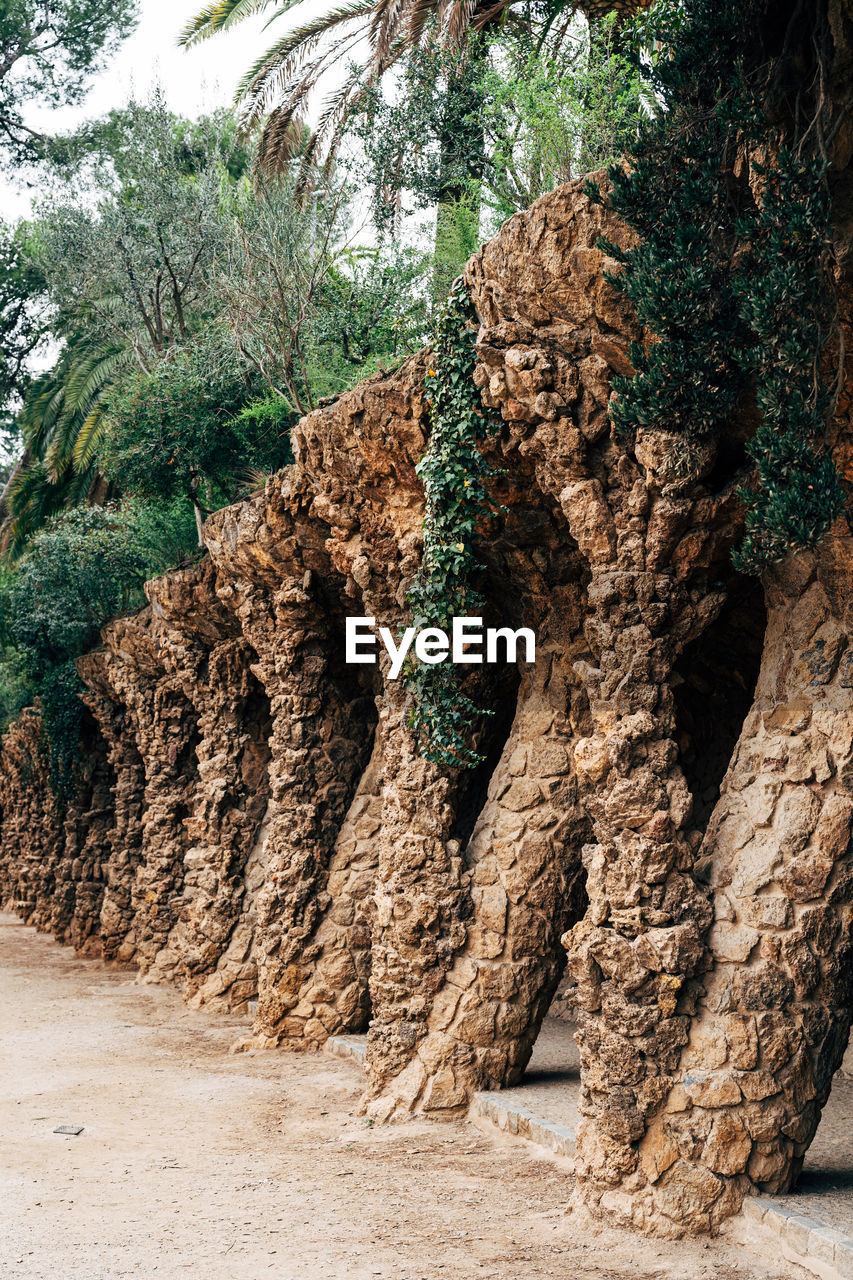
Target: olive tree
(136,267)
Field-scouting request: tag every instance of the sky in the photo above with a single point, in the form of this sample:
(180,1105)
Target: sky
(194,80)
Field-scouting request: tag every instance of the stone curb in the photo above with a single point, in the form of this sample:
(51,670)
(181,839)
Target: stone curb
(352,1047)
(825,1252)
(509,1117)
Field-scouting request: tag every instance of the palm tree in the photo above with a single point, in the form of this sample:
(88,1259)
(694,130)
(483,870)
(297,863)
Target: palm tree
(275,90)
(62,425)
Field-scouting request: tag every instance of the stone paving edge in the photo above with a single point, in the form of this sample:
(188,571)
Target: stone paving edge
(761,1224)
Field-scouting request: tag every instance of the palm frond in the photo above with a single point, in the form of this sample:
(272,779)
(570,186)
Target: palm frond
(33,498)
(219,17)
(89,438)
(44,404)
(269,75)
(57,456)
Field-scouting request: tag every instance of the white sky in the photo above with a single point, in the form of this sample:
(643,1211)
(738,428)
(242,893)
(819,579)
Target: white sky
(194,80)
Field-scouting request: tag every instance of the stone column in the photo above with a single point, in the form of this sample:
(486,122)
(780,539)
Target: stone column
(199,644)
(165,731)
(637,953)
(321,740)
(524,876)
(31,828)
(115,925)
(54,849)
(420,910)
(88,824)
(320,743)
(774,1014)
(333,997)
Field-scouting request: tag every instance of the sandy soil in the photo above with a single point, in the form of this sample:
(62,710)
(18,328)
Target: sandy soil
(193,1162)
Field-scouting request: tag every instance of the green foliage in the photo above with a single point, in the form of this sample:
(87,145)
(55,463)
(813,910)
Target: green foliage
(61,423)
(426,137)
(372,309)
(23,324)
(127,255)
(733,283)
(134,266)
(453,471)
(179,430)
(505,119)
(78,571)
(781,286)
(277,257)
(457,236)
(48,51)
(557,104)
(62,723)
(82,568)
(266,423)
(367,36)
(162,531)
(110,145)
(15,685)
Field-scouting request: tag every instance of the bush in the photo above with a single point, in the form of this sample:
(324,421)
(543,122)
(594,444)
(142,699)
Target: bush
(84,567)
(180,431)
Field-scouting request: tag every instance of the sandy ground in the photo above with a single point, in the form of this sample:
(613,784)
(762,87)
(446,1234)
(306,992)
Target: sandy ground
(193,1162)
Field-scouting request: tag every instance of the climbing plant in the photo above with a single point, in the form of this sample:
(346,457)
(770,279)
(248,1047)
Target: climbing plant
(453,472)
(730,271)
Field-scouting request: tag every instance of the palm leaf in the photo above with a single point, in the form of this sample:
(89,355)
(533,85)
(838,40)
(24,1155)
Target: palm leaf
(219,17)
(89,437)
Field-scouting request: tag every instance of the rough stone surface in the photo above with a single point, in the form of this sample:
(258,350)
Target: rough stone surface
(664,806)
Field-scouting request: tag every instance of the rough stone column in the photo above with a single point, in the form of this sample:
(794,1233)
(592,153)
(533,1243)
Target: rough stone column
(319,743)
(524,876)
(81,872)
(31,822)
(54,850)
(636,954)
(333,997)
(115,926)
(421,906)
(234,980)
(165,730)
(199,644)
(321,736)
(774,1015)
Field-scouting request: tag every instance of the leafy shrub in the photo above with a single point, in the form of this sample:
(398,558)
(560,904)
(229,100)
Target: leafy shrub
(84,567)
(190,429)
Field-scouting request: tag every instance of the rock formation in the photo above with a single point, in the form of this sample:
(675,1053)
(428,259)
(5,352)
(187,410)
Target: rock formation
(664,803)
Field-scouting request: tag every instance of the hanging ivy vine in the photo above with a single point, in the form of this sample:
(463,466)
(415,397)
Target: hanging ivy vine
(730,275)
(453,472)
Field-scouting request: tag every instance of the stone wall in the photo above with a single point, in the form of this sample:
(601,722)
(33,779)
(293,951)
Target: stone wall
(661,822)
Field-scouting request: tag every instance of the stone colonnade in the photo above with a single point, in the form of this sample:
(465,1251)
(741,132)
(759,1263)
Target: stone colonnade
(252,820)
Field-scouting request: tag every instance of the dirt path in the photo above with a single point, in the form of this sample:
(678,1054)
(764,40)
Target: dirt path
(196,1163)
